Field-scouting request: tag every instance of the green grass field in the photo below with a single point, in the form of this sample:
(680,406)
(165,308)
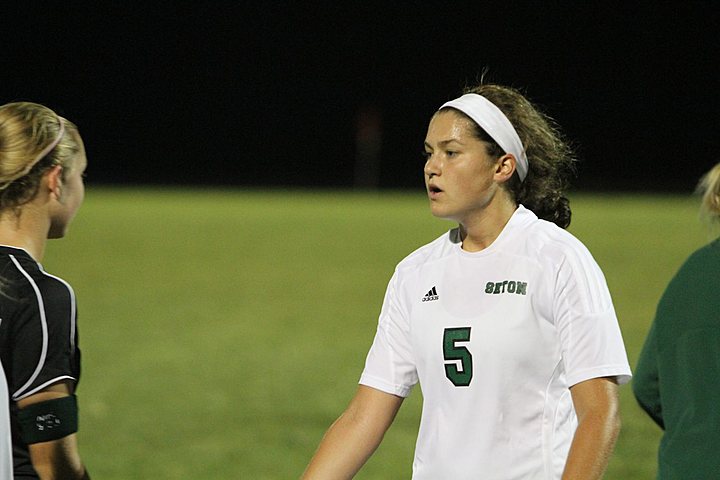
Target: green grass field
(223,331)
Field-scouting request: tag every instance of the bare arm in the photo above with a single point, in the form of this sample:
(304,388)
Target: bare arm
(57,459)
(354,436)
(598,411)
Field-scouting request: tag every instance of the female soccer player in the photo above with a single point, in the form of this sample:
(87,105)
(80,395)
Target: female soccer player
(506,321)
(42,160)
(678,373)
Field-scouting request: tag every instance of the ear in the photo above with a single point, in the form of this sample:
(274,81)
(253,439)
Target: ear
(505,167)
(54,181)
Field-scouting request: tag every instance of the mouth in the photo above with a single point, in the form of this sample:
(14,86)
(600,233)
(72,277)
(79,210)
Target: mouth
(434,191)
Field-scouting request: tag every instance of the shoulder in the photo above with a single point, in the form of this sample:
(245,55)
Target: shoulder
(23,277)
(690,299)
(703,263)
(703,259)
(569,269)
(546,241)
(431,252)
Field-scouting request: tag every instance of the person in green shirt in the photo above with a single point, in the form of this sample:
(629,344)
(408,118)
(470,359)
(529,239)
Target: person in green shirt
(677,378)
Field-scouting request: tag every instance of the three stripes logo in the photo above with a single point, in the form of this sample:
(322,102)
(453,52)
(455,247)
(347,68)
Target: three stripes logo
(431,295)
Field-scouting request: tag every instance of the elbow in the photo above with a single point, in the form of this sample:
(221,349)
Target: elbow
(650,403)
(606,425)
(615,424)
(613,418)
(605,420)
(644,393)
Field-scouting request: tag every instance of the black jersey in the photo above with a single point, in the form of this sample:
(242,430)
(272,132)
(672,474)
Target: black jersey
(38,336)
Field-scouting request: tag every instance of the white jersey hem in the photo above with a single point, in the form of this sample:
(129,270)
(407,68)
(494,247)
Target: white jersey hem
(378,384)
(620,372)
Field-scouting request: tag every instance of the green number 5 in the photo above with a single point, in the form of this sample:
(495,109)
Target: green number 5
(460,377)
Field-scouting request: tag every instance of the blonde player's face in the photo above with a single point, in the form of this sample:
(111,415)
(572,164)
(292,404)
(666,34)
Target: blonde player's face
(73,193)
(459,174)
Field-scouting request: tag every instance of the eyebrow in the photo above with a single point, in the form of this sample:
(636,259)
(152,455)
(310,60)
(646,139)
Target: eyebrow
(444,143)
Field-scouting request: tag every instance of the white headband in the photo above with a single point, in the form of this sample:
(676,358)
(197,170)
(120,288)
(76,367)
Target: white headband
(491,119)
(50,147)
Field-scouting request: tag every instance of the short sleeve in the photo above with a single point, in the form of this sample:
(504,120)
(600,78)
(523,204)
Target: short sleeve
(588,329)
(390,366)
(43,339)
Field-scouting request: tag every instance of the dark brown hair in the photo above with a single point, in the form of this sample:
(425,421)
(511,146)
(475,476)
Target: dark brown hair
(550,158)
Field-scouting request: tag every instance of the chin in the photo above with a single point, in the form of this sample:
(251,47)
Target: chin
(440,213)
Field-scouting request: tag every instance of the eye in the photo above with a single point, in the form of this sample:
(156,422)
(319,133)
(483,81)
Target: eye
(450,153)
(425,155)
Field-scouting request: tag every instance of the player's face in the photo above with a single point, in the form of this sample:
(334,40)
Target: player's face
(459,173)
(73,193)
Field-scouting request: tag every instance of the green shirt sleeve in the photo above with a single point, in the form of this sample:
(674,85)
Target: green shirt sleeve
(646,382)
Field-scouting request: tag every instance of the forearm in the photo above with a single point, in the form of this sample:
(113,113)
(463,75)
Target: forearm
(354,436)
(62,474)
(61,471)
(592,446)
(344,449)
(58,460)
(54,458)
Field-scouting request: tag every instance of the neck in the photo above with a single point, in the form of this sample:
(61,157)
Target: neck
(26,230)
(480,232)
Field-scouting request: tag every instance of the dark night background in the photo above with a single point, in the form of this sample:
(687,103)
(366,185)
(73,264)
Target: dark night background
(268,93)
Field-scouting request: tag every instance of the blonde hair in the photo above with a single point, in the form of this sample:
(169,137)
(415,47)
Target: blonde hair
(26,130)
(709,189)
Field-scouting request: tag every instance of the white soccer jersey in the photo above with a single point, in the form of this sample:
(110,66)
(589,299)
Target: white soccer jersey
(496,338)
(6,459)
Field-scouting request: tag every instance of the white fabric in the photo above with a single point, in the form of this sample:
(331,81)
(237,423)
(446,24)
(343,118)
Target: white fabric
(528,343)
(496,124)
(6,458)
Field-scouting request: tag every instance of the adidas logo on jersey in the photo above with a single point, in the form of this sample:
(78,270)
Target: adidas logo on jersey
(431,295)
(506,286)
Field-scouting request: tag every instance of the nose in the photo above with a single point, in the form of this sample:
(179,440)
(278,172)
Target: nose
(432,166)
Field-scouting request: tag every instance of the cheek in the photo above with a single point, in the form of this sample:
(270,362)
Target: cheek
(81,195)
(78,194)
(475,186)
(470,179)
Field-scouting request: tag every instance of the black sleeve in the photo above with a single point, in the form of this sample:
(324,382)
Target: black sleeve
(43,338)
